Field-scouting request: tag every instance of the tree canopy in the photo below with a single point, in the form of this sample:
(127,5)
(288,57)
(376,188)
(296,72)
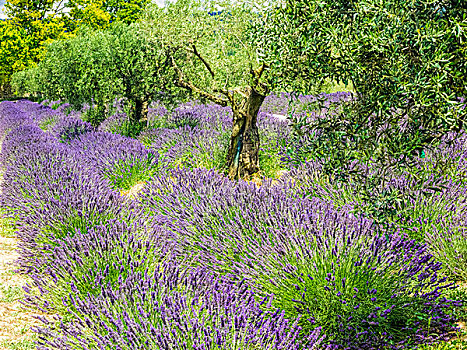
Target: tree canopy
(214,57)
(95,67)
(407,63)
(31,25)
(405,59)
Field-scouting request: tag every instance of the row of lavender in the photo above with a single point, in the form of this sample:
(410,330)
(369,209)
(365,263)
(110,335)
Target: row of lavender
(196,261)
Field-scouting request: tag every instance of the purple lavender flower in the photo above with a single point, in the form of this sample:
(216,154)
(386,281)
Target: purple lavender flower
(69,128)
(114,124)
(275,238)
(177,309)
(122,160)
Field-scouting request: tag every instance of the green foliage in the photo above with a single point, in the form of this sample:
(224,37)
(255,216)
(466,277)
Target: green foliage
(407,64)
(269,157)
(7,225)
(110,265)
(23,344)
(212,51)
(99,14)
(25,83)
(125,174)
(449,246)
(12,48)
(127,128)
(30,26)
(370,291)
(95,67)
(270,163)
(406,61)
(458,340)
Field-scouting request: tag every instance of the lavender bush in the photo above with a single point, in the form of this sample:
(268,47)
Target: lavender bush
(197,261)
(19,142)
(116,124)
(177,309)
(11,117)
(122,160)
(68,128)
(184,116)
(157,117)
(50,193)
(323,264)
(101,256)
(188,147)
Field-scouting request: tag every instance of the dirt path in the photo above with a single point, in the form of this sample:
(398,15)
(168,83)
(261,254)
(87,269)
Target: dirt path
(15,320)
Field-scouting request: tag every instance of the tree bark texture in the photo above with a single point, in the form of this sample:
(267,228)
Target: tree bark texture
(243,153)
(140,112)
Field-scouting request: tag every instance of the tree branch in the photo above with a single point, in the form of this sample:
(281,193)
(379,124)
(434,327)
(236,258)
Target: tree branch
(257,74)
(221,91)
(206,64)
(190,86)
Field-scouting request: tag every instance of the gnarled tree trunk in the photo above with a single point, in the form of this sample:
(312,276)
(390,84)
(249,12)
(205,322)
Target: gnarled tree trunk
(243,154)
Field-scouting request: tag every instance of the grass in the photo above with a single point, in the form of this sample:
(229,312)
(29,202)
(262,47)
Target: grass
(459,339)
(10,294)
(6,227)
(23,344)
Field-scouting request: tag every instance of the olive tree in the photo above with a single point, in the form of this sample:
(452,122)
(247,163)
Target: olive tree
(405,59)
(213,57)
(77,71)
(97,66)
(407,63)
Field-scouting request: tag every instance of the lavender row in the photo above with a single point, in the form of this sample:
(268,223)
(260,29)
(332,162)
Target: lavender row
(307,266)
(322,264)
(93,255)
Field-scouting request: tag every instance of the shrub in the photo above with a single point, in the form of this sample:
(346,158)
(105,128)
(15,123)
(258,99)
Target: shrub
(50,192)
(177,309)
(188,147)
(184,116)
(69,128)
(449,246)
(122,160)
(157,117)
(48,122)
(19,142)
(324,264)
(94,259)
(10,118)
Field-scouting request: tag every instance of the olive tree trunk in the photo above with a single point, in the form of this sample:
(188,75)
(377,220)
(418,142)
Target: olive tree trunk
(140,111)
(243,153)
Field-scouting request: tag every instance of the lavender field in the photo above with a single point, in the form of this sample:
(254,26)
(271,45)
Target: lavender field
(143,243)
